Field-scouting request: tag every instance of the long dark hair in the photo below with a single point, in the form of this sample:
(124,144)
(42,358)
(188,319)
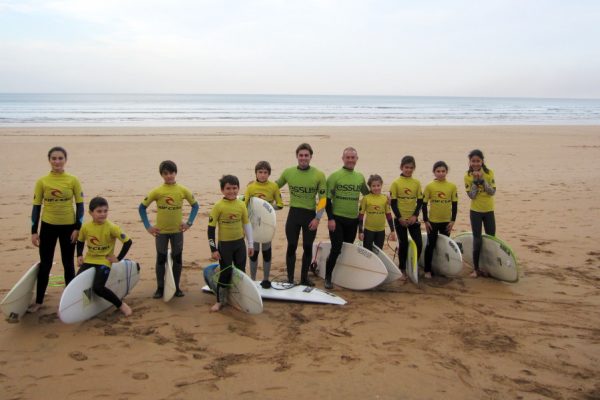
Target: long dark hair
(478,153)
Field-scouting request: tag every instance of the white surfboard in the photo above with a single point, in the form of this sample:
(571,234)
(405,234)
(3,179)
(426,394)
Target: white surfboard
(243,293)
(170,288)
(394,272)
(79,302)
(447,258)
(14,305)
(263,219)
(297,293)
(356,268)
(496,257)
(412,267)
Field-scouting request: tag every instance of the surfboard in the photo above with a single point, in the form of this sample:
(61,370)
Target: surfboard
(496,257)
(356,267)
(447,258)
(296,293)
(263,219)
(412,267)
(243,293)
(79,302)
(170,287)
(14,305)
(394,272)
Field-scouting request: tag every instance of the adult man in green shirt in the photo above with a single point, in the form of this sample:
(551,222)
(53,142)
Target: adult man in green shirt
(344,187)
(305,183)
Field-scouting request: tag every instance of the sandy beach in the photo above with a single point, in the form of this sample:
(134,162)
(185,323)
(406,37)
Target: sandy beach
(457,338)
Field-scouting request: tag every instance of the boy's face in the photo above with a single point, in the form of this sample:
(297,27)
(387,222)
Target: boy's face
(169,177)
(99,214)
(262,175)
(230,191)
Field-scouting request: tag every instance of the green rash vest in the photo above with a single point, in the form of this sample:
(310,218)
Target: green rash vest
(344,187)
(305,185)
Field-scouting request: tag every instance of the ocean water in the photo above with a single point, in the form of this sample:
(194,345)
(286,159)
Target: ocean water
(28,110)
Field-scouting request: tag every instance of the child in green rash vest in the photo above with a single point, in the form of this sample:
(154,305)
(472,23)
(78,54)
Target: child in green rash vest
(230,215)
(169,226)
(481,188)
(56,192)
(376,207)
(443,197)
(268,191)
(100,235)
(407,199)
(344,188)
(305,183)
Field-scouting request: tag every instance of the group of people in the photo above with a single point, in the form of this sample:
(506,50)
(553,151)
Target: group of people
(353,205)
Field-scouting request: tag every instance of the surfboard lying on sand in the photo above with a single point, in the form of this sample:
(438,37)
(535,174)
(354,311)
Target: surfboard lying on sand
(356,268)
(496,257)
(243,293)
(297,293)
(14,305)
(170,288)
(447,258)
(263,220)
(79,302)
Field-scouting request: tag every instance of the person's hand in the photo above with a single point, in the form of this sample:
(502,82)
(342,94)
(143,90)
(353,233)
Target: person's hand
(428,226)
(361,237)
(450,227)
(250,251)
(477,175)
(412,220)
(112,258)
(331,225)
(35,239)
(153,231)
(313,225)
(403,223)
(184,227)
(80,261)
(393,236)
(74,236)
(216,255)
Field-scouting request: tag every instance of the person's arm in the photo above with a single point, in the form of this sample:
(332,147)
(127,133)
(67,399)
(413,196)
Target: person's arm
(489,189)
(473,190)
(454,210)
(394,205)
(278,199)
(361,220)
(390,221)
(248,233)
(35,218)
(418,208)
(144,216)
(425,216)
(79,213)
(212,238)
(329,209)
(193,213)
(124,249)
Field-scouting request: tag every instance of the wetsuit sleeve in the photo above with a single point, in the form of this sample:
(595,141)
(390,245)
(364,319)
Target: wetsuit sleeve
(79,215)
(248,233)
(192,217)
(212,238)
(80,246)
(282,180)
(77,191)
(425,216)
(489,189)
(395,209)
(418,207)
(124,249)
(390,221)
(329,209)
(35,218)
(144,215)
(454,210)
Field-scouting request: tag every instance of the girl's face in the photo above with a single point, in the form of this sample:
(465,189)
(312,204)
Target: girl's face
(440,173)
(375,187)
(57,161)
(230,191)
(262,175)
(407,169)
(475,163)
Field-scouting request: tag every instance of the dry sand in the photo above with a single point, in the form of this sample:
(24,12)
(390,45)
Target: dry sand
(452,338)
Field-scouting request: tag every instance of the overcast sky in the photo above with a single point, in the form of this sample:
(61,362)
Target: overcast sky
(524,48)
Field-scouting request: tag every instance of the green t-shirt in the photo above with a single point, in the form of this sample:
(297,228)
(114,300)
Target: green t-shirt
(305,185)
(344,187)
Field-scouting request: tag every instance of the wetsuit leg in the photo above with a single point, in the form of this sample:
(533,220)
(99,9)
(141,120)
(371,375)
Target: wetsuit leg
(99,285)
(476,221)
(369,238)
(415,233)
(379,239)
(254,261)
(267,254)
(337,239)
(48,236)
(402,234)
(436,228)
(292,233)
(489,223)
(308,237)
(240,255)
(162,247)
(67,251)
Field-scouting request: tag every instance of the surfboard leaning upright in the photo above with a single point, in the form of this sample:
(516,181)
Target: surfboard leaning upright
(496,258)
(14,305)
(170,287)
(447,258)
(263,220)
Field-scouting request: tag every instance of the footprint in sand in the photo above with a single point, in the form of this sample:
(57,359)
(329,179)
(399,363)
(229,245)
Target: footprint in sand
(78,356)
(140,376)
(51,336)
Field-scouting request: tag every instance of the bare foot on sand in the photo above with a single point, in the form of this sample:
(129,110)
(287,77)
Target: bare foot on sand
(35,307)
(216,307)
(125,309)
